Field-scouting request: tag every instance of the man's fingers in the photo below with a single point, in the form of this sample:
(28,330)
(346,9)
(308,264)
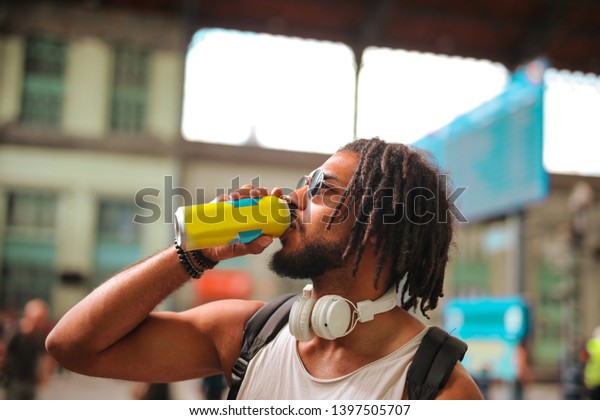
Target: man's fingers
(222,197)
(248,191)
(226,252)
(255,247)
(277,192)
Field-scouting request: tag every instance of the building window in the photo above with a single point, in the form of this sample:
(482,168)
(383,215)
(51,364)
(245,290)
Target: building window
(405,95)
(30,212)
(550,306)
(44,81)
(118,242)
(28,251)
(244,88)
(129,94)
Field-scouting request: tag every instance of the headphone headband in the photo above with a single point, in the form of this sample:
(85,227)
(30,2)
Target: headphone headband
(367,309)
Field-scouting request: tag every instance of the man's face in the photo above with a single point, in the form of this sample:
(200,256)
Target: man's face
(308,249)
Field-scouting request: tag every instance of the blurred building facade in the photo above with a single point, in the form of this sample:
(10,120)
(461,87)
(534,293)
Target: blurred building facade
(549,254)
(90,112)
(90,115)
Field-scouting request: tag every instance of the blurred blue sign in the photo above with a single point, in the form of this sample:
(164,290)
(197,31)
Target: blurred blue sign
(493,328)
(495,151)
(488,317)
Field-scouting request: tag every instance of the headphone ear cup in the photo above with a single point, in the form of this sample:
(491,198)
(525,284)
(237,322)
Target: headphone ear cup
(331,317)
(299,322)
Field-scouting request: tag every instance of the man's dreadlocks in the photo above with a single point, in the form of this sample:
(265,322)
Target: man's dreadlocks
(397,196)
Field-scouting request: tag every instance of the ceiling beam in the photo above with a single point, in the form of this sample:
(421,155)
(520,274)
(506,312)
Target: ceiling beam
(549,25)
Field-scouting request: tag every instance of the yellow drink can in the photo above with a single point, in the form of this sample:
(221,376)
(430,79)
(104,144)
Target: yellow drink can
(231,222)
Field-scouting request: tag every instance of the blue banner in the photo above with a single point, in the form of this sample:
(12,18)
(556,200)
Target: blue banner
(496,150)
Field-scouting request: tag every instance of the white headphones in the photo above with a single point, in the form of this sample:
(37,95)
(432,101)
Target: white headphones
(333,316)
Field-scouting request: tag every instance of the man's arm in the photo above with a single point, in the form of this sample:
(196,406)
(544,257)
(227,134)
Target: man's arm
(460,386)
(112,332)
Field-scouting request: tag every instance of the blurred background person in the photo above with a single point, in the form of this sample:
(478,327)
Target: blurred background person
(152,391)
(592,367)
(27,364)
(212,387)
(524,373)
(2,360)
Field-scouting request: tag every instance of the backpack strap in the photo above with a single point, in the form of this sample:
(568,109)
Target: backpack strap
(260,329)
(433,363)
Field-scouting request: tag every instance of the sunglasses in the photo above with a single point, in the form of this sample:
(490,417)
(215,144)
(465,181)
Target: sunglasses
(315,183)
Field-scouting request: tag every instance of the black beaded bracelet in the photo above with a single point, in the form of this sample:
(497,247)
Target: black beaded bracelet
(187,263)
(203,262)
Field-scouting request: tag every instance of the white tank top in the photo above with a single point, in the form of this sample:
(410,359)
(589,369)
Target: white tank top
(277,373)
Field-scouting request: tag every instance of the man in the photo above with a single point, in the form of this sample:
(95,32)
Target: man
(591,372)
(372,218)
(27,364)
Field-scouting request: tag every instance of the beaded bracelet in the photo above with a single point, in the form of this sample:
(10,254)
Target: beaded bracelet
(187,263)
(203,262)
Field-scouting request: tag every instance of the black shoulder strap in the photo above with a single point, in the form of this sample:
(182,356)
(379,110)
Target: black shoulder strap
(433,363)
(260,330)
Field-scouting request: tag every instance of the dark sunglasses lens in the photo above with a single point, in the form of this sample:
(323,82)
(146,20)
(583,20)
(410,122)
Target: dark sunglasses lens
(315,183)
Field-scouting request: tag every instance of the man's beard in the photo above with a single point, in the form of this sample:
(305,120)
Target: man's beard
(314,259)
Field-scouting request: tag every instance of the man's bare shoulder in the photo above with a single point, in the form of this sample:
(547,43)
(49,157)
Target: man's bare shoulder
(460,386)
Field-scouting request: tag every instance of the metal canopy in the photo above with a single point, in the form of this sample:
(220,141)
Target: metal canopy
(566,32)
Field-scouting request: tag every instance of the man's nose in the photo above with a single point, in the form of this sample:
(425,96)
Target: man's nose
(299,198)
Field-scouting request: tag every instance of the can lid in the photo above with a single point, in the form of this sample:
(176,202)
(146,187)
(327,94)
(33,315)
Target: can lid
(179,224)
